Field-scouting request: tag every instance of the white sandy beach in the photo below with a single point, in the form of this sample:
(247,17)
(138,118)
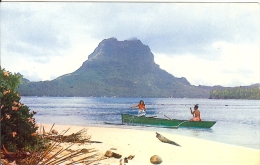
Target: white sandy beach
(144,144)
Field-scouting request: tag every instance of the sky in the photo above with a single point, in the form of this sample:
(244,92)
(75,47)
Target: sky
(207,43)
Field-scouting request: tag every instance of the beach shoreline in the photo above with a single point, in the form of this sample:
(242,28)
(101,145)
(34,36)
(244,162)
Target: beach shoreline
(144,144)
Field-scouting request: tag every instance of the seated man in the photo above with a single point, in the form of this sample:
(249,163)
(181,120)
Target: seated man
(196,112)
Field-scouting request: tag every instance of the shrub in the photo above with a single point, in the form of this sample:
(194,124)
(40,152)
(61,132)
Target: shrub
(18,127)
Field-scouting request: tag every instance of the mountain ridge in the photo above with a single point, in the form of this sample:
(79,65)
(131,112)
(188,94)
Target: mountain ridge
(118,69)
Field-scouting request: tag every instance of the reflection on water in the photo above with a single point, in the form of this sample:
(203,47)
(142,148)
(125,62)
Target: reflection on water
(196,132)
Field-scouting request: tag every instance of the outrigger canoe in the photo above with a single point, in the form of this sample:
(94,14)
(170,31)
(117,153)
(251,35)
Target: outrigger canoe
(161,122)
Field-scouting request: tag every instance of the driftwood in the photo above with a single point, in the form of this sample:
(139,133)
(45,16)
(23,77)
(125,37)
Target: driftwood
(79,137)
(165,140)
(52,153)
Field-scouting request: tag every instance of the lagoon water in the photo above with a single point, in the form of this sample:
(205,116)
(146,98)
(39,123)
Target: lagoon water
(238,121)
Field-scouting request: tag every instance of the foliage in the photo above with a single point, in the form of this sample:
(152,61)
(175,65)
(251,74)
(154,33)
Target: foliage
(18,127)
(107,79)
(250,93)
(114,81)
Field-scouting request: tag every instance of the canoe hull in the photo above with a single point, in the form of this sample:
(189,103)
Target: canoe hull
(160,122)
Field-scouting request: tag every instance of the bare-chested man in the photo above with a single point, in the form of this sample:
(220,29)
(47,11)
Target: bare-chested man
(196,112)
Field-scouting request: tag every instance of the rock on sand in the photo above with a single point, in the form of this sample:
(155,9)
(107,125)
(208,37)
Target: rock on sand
(156,159)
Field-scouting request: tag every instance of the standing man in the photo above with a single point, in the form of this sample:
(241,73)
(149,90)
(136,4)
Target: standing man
(142,109)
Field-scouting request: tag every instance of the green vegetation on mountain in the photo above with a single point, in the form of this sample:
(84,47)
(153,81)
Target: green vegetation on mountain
(249,92)
(119,69)
(116,69)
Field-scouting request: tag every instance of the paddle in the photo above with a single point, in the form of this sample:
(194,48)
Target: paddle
(180,124)
(168,117)
(176,127)
(191,112)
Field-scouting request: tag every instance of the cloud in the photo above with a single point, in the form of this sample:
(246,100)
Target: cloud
(165,27)
(237,64)
(193,28)
(31,33)
(176,27)
(52,39)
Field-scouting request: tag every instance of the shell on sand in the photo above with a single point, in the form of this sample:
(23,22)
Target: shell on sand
(112,154)
(109,153)
(156,159)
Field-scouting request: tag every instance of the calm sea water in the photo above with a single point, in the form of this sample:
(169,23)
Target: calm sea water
(238,121)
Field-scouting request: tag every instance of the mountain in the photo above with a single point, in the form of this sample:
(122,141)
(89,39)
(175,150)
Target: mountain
(255,85)
(24,80)
(117,69)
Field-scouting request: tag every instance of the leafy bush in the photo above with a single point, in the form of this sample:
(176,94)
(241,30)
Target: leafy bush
(250,93)
(18,127)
